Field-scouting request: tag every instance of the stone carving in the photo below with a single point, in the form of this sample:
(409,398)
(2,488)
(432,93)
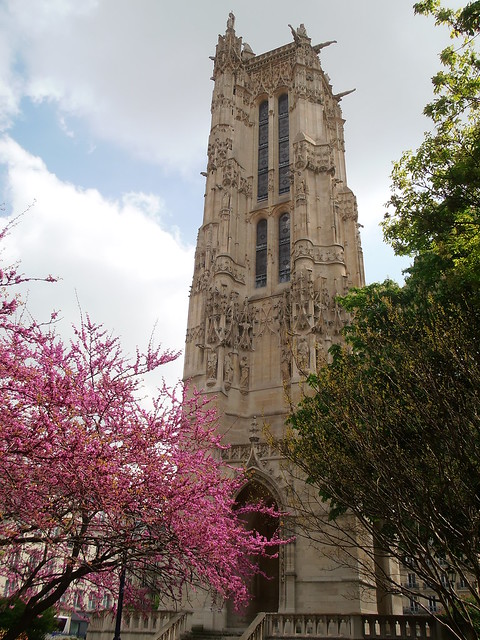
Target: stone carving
(321,306)
(233,178)
(347,204)
(225,264)
(211,368)
(246,186)
(303,354)
(230,173)
(244,374)
(196,335)
(219,312)
(271,76)
(247,52)
(299,34)
(302,300)
(221,101)
(301,188)
(286,363)
(318,158)
(265,319)
(243,116)
(271,181)
(245,328)
(203,280)
(217,153)
(228,371)
(302,249)
(229,50)
(241,452)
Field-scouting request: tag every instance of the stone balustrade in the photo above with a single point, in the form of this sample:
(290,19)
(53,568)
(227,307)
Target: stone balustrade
(355,627)
(154,625)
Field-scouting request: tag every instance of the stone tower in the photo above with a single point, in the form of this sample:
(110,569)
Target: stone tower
(279,241)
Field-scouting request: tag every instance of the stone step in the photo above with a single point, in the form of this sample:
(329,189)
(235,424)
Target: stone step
(200,633)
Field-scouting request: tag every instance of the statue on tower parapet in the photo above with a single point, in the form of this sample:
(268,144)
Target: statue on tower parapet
(299,35)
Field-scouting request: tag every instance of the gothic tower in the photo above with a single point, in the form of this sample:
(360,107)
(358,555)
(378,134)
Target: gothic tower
(279,241)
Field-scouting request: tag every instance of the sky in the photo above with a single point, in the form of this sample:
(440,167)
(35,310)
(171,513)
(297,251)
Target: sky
(104,121)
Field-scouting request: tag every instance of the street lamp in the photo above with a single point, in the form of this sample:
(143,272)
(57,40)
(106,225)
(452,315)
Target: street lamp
(121,589)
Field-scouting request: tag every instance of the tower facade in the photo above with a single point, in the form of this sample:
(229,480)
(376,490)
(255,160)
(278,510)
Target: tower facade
(279,241)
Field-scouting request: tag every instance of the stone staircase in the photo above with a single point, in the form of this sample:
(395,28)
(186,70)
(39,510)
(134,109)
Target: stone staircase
(199,633)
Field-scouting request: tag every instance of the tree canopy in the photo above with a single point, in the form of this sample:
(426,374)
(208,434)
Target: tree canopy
(93,481)
(390,430)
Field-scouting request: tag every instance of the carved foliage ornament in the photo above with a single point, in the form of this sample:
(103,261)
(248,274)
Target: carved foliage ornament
(217,152)
(318,158)
(269,78)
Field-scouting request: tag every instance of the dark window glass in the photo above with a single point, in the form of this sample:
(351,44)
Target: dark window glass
(261,255)
(283,145)
(283,104)
(284,248)
(262,159)
(262,181)
(283,126)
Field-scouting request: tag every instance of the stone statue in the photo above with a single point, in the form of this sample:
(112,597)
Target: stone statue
(228,370)
(299,33)
(212,365)
(231,21)
(244,372)
(303,354)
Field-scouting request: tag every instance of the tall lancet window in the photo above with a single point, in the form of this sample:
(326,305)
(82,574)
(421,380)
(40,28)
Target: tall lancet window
(261,254)
(283,145)
(284,248)
(262,183)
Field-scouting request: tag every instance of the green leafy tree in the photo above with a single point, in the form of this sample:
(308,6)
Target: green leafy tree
(391,429)
(435,212)
(12,611)
(391,434)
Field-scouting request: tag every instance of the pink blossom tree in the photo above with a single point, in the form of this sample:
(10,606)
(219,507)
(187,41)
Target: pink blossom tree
(92,481)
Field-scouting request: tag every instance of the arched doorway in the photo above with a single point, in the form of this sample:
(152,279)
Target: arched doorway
(264,589)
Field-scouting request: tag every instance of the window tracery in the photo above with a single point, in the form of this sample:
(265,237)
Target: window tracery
(284,248)
(262,178)
(261,254)
(283,145)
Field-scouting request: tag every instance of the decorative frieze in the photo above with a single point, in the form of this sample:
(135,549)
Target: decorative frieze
(225,264)
(217,152)
(241,452)
(318,158)
(347,205)
(318,255)
(271,77)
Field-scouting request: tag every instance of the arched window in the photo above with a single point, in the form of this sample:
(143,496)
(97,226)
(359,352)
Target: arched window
(284,248)
(261,254)
(283,145)
(262,182)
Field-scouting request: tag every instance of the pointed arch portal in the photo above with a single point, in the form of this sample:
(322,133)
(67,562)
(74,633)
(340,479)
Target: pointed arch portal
(264,590)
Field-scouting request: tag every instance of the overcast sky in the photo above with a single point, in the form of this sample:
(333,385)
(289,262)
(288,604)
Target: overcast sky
(105,114)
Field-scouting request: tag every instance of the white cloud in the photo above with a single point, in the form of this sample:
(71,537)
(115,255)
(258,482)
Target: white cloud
(137,72)
(126,271)
(137,75)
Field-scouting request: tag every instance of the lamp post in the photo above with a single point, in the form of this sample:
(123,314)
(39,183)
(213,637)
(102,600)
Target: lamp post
(121,589)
